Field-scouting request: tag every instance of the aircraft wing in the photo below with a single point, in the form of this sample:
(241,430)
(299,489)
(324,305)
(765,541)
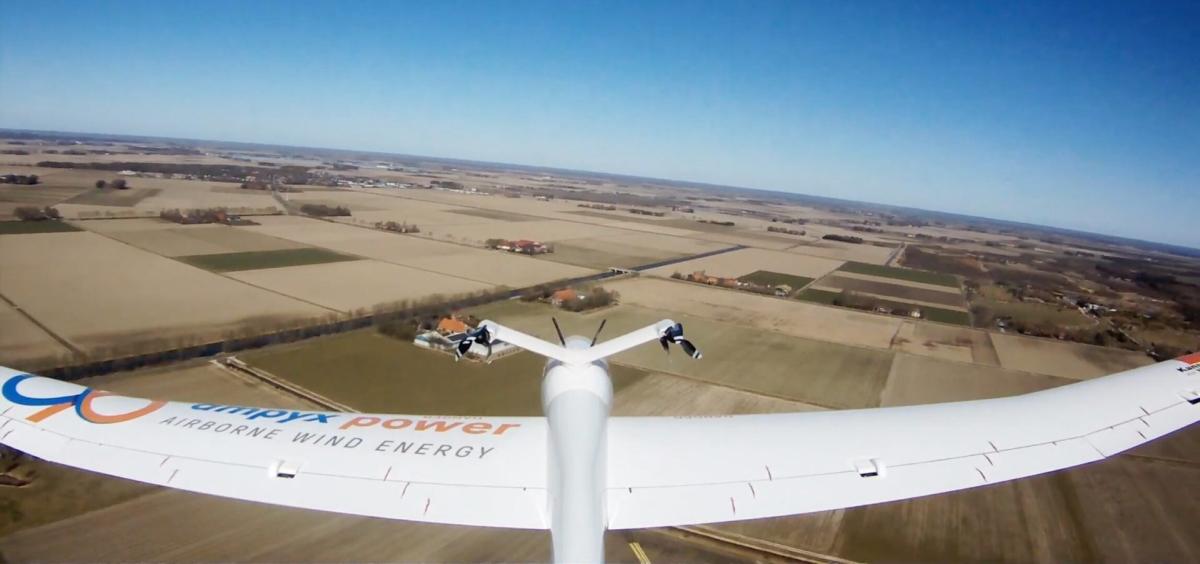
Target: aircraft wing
(458,470)
(677,471)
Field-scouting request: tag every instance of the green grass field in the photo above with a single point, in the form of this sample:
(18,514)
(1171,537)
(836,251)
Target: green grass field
(818,296)
(28,227)
(922,276)
(253,260)
(768,278)
(931,313)
(820,373)
(1032,312)
(375,373)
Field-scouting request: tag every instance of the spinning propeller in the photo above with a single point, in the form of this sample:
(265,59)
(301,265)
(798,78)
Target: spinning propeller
(674,334)
(479,335)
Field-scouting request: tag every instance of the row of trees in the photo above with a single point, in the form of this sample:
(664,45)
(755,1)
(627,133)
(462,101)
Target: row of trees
(595,297)
(397,227)
(403,319)
(31,213)
(118,184)
(322,210)
(785,230)
(843,238)
(202,216)
(26,179)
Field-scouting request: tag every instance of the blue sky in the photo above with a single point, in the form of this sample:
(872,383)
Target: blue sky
(1076,115)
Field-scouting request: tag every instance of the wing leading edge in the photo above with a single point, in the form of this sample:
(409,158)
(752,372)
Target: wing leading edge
(455,470)
(661,470)
(677,471)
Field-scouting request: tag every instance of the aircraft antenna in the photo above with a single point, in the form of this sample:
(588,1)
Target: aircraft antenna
(598,330)
(558,330)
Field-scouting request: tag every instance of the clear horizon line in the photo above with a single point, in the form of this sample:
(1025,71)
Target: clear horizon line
(619,174)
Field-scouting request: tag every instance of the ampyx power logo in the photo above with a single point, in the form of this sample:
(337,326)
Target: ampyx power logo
(275,415)
(82,402)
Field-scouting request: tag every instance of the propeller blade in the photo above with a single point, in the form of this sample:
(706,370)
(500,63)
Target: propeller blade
(665,344)
(689,348)
(462,348)
(558,330)
(598,330)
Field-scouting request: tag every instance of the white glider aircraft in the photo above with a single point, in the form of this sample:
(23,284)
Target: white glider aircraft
(577,471)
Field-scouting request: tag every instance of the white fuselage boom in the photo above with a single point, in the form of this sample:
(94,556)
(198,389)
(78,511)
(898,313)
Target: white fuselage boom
(576,399)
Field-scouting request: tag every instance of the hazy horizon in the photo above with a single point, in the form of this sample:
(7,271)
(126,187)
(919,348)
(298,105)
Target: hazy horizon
(1077,116)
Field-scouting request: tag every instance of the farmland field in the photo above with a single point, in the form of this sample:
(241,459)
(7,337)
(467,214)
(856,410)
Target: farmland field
(625,250)
(350,285)
(589,256)
(901,273)
(1060,358)
(950,343)
(495,214)
(744,261)
(99,292)
(375,373)
(790,317)
(1039,313)
(173,240)
(921,379)
(940,315)
(864,253)
(113,197)
(818,296)
(818,373)
(254,260)
(31,227)
(464,262)
(897,291)
(22,341)
(768,278)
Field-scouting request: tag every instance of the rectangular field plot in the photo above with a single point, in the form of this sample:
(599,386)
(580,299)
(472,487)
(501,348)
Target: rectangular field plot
(768,278)
(816,296)
(499,215)
(22,341)
(756,312)
(941,315)
(113,197)
(172,240)
(350,285)
(1060,358)
(764,362)
(30,227)
(742,262)
(626,250)
(381,374)
(453,260)
(945,342)
(255,260)
(920,379)
(592,255)
(922,276)
(95,292)
(865,253)
(897,291)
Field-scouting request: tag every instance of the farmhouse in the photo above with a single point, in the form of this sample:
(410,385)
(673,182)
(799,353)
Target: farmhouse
(563,296)
(703,278)
(519,246)
(450,326)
